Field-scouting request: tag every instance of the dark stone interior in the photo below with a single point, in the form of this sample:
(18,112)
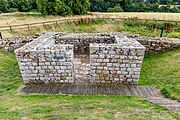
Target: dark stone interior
(81,41)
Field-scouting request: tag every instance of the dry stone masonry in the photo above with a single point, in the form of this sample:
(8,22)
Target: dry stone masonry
(116,63)
(43,61)
(154,45)
(49,59)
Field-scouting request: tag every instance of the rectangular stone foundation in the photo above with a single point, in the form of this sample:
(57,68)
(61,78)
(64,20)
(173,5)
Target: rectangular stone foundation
(49,58)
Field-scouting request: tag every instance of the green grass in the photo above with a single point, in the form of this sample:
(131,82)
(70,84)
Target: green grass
(161,71)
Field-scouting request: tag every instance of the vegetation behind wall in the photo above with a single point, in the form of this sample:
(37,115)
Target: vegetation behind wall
(68,7)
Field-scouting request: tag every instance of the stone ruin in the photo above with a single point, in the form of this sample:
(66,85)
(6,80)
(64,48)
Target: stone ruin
(103,58)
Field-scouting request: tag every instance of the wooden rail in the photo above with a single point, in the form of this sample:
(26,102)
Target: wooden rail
(28,26)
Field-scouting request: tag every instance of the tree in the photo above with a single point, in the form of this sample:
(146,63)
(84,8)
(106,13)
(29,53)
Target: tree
(13,3)
(98,6)
(33,4)
(3,5)
(175,10)
(163,1)
(23,5)
(128,5)
(78,7)
(118,9)
(152,1)
(62,7)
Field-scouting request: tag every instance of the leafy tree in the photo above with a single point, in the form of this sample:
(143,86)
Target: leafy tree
(13,3)
(175,10)
(118,9)
(98,5)
(33,4)
(78,6)
(152,1)
(155,7)
(3,5)
(169,2)
(62,7)
(128,5)
(115,9)
(163,1)
(164,8)
(23,5)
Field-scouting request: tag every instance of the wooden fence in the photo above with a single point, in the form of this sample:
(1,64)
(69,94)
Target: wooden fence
(28,26)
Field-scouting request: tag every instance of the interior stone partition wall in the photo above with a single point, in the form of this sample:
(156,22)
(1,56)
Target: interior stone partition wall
(49,58)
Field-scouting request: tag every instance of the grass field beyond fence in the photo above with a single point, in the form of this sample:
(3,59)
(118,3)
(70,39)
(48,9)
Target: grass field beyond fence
(103,25)
(143,28)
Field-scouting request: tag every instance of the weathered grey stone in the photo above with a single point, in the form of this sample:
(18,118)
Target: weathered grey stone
(113,58)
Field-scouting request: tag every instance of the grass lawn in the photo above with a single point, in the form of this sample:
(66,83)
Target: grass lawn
(161,71)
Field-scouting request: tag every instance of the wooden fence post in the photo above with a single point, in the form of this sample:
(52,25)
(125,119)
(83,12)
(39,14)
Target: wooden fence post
(28,27)
(1,36)
(162,29)
(10,28)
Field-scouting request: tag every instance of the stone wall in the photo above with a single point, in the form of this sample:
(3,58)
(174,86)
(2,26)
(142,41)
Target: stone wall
(118,63)
(10,44)
(81,42)
(49,59)
(42,61)
(154,45)
(157,45)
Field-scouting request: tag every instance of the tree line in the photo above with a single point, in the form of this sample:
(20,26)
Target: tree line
(135,6)
(77,7)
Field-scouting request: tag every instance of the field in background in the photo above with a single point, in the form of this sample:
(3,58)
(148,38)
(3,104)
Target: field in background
(26,18)
(155,16)
(136,27)
(143,28)
(160,71)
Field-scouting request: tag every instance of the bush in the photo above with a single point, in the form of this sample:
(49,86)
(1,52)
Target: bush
(118,9)
(11,10)
(165,92)
(110,10)
(115,9)
(63,7)
(175,10)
